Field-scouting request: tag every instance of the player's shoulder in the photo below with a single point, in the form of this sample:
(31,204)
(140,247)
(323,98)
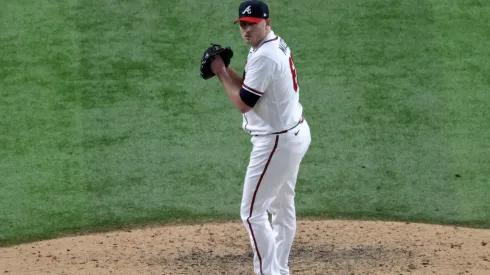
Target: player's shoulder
(270,51)
(261,56)
(275,49)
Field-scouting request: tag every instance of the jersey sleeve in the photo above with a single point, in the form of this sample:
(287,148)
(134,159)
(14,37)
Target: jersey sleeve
(256,79)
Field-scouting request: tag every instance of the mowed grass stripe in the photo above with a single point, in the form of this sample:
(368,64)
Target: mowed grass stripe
(462,28)
(40,162)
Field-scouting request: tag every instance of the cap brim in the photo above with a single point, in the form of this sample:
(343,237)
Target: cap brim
(249,19)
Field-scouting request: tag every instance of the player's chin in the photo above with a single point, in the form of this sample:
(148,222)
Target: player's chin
(247,39)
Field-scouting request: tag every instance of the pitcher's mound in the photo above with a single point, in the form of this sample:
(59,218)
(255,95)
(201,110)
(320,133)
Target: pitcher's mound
(321,247)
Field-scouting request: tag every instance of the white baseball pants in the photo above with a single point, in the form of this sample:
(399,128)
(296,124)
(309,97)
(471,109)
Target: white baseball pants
(269,187)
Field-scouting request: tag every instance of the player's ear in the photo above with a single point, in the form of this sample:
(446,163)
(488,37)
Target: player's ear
(268,22)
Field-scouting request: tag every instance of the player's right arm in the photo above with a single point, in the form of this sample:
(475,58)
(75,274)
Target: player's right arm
(231,84)
(237,79)
(245,94)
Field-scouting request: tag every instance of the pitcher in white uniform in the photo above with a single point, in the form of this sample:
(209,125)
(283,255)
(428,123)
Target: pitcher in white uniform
(267,94)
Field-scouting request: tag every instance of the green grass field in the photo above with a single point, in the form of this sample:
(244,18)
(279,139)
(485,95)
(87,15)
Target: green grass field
(105,121)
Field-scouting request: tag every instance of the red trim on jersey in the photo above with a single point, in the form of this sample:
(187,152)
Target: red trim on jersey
(253,201)
(252,90)
(272,39)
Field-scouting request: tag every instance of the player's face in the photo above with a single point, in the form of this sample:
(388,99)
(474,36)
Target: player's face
(253,33)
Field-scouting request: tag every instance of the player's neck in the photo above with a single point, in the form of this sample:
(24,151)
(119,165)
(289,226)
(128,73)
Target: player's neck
(254,47)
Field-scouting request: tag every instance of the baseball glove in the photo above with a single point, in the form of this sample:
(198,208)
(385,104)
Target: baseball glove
(208,56)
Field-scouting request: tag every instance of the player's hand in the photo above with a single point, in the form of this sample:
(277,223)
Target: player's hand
(218,65)
(210,56)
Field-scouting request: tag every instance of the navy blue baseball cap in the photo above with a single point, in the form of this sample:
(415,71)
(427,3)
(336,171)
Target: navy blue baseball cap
(252,11)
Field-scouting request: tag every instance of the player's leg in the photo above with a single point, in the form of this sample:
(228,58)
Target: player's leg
(283,212)
(283,208)
(263,179)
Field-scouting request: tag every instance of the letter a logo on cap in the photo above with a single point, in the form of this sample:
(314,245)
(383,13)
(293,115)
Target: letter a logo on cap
(248,10)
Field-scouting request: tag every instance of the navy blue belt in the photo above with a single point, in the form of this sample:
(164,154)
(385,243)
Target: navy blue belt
(285,131)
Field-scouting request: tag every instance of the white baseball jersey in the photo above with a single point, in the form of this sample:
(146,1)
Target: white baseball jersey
(270,80)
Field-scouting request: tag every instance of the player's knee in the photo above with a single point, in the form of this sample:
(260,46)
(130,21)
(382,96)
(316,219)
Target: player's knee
(244,213)
(244,217)
(252,217)
(255,219)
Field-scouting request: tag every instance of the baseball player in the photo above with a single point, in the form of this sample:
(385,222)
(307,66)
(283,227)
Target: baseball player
(267,94)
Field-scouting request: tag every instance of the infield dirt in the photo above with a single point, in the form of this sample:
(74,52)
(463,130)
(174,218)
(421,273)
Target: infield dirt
(321,247)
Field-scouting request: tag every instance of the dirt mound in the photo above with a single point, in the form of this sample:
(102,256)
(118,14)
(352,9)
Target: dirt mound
(321,247)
